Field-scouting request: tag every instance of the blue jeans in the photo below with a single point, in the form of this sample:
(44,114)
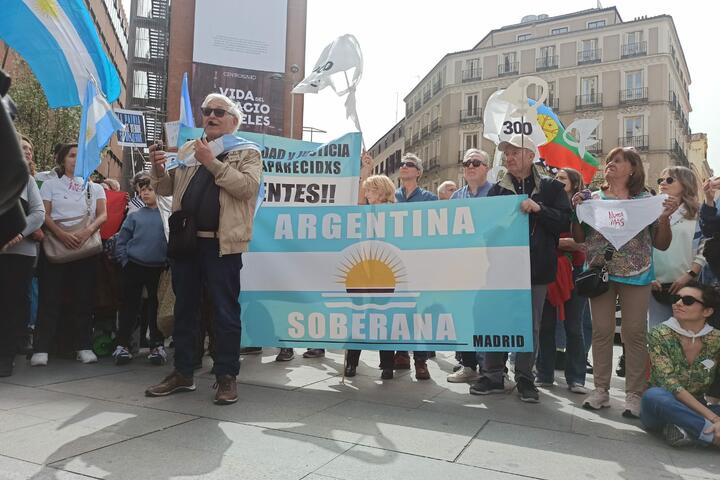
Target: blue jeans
(660,407)
(575,345)
(221,278)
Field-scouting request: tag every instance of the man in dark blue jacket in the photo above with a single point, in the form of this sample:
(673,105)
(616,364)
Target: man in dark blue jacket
(549,210)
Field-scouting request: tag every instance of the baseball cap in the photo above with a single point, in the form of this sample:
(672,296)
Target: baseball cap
(519,141)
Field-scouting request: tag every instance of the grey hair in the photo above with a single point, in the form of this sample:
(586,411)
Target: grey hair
(414,158)
(444,185)
(473,151)
(231,106)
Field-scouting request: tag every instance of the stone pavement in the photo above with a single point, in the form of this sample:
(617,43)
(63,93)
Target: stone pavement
(296,420)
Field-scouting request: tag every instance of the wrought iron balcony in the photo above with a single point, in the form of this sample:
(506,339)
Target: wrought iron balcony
(679,153)
(508,68)
(589,56)
(636,49)
(589,101)
(471,115)
(633,95)
(638,142)
(471,75)
(426,96)
(435,125)
(546,63)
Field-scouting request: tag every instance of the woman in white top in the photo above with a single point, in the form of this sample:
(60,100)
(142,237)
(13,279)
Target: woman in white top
(69,285)
(683,261)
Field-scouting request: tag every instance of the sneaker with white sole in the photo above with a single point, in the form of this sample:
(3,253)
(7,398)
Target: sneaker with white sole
(676,436)
(465,374)
(632,405)
(86,356)
(121,355)
(577,388)
(597,399)
(158,355)
(39,360)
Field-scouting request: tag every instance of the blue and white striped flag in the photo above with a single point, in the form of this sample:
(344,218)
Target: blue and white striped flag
(97,124)
(59,41)
(186,115)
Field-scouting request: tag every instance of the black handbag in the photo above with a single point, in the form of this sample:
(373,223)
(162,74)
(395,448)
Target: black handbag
(182,236)
(594,281)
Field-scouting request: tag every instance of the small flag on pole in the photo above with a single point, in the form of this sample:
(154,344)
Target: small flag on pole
(186,114)
(97,124)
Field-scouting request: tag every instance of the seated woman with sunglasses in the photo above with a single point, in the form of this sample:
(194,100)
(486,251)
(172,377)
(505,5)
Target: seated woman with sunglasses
(684,354)
(683,260)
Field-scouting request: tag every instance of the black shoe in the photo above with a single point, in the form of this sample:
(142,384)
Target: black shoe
(528,391)
(6,366)
(485,386)
(251,351)
(620,370)
(350,371)
(588,367)
(285,355)
(387,374)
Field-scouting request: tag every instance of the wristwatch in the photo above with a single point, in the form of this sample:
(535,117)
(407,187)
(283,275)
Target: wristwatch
(692,273)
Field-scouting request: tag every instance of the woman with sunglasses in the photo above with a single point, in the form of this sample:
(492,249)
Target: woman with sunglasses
(684,354)
(683,260)
(630,274)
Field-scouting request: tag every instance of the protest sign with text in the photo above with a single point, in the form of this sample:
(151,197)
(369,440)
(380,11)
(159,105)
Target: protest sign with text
(299,173)
(423,276)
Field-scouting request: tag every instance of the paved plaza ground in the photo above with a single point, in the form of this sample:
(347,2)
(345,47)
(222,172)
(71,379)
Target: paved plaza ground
(296,420)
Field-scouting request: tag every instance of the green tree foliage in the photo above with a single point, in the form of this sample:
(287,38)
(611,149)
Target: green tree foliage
(46,127)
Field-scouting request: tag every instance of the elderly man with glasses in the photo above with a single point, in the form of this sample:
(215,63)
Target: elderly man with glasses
(219,193)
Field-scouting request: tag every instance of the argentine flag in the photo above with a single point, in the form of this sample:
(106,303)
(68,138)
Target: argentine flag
(59,41)
(97,124)
(186,115)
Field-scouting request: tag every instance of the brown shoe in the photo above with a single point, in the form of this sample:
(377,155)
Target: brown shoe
(226,390)
(402,361)
(421,370)
(175,382)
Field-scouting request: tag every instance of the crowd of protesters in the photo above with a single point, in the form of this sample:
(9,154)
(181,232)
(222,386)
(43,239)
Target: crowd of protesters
(664,281)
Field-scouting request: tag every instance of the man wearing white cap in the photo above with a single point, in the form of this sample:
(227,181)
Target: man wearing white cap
(549,210)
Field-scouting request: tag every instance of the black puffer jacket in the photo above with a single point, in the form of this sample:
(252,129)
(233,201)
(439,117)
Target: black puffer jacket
(545,226)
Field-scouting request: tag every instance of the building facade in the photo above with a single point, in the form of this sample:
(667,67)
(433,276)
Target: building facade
(697,157)
(630,75)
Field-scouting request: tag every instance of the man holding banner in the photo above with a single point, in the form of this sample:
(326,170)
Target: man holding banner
(549,210)
(214,198)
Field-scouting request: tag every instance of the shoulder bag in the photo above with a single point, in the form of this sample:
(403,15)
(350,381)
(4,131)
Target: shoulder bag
(56,251)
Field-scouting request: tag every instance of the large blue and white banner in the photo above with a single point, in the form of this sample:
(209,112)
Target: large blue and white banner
(412,276)
(301,173)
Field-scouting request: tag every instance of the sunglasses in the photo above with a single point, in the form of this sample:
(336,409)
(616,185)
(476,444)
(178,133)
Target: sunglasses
(408,164)
(218,112)
(687,300)
(474,163)
(668,180)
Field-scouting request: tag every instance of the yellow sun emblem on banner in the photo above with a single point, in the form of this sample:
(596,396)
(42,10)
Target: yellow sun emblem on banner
(48,7)
(371,269)
(549,126)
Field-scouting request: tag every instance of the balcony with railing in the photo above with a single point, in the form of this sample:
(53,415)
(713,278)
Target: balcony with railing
(436,87)
(508,68)
(425,131)
(472,75)
(435,125)
(546,63)
(679,153)
(471,115)
(638,142)
(553,102)
(633,95)
(426,96)
(589,56)
(596,148)
(637,49)
(589,101)
(418,104)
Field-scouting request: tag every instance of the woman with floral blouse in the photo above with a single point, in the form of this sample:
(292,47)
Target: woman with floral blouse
(684,354)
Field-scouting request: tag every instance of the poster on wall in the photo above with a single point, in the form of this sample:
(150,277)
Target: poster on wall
(259,95)
(257,43)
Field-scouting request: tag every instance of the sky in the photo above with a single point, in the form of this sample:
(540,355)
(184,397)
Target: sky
(402,40)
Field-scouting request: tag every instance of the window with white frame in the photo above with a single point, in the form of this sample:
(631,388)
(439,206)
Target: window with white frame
(634,85)
(144,8)
(633,127)
(471,104)
(547,57)
(551,94)
(558,31)
(140,84)
(524,36)
(596,24)
(470,140)
(588,90)
(472,68)
(509,64)
(633,44)
(142,42)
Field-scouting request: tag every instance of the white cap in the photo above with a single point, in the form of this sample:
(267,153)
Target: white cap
(519,141)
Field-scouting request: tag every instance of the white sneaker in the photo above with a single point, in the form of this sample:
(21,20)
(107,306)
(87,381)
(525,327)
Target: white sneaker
(632,405)
(86,356)
(465,374)
(577,388)
(39,360)
(597,399)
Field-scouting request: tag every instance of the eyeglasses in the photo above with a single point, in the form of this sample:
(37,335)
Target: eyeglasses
(474,163)
(218,112)
(409,164)
(668,180)
(687,300)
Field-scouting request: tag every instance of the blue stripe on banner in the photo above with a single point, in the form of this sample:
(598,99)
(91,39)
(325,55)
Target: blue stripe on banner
(489,320)
(21,29)
(84,25)
(281,152)
(409,226)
